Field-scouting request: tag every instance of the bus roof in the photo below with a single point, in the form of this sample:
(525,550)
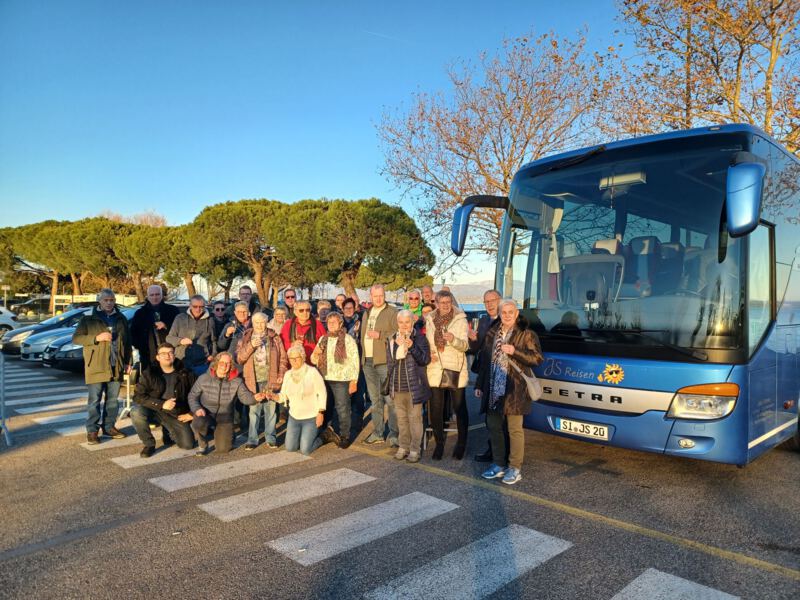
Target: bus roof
(648,139)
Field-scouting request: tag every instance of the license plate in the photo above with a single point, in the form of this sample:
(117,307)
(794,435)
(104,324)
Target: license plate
(588,430)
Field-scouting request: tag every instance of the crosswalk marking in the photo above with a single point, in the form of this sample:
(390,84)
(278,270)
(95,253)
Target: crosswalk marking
(283,494)
(37,385)
(655,585)
(187,479)
(133,461)
(16,378)
(477,569)
(48,407)
(45,399)
(78,416)
(333,537)
(37,392)
(74,430)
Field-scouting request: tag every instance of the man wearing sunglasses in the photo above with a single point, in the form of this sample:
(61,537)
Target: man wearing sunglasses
(303,329)
(289,300)
(218,316)
(192,334)
(161,398)
(150,325)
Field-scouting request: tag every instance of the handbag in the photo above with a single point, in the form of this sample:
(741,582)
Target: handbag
(531,382)
(450,377)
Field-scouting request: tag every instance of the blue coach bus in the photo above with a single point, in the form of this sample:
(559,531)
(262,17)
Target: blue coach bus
(662,275)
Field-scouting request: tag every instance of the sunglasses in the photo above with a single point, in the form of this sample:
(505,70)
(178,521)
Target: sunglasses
(290,297)
(219,310)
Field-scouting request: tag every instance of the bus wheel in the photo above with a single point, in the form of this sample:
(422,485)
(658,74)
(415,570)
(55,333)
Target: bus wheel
(794,441)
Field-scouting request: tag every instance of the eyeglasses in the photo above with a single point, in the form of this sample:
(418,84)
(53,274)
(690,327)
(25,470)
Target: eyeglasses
(224,363)
(290,297)
(219,309)
(413,297)
(303,310)
(197,306)
(166,353)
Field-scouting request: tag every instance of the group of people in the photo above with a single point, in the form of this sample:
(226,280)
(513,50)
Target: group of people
(206,373)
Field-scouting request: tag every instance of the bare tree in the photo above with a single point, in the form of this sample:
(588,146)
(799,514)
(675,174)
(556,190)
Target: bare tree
(536,96)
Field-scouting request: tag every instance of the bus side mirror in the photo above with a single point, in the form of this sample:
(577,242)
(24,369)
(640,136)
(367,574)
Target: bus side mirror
(743,197)
(460,225)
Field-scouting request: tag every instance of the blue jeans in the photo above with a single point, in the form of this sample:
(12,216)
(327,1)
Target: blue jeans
(301,434)
(375,375)
(96,413)
(269,410)
(341,399)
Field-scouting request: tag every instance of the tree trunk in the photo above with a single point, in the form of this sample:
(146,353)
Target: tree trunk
(264,298)
(76,284)
(258,277)
(189,283)
(348,282)
(84,277)
(137,284)
(53,291)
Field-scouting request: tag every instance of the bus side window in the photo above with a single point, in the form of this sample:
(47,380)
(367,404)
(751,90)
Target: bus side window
(759,286)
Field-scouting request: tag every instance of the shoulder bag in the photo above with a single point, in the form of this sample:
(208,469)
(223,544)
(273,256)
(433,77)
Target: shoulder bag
(531,381)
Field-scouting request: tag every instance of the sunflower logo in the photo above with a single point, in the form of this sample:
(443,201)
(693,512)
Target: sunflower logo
(613,374)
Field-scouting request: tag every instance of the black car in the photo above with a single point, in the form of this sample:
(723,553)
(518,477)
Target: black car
(11,342)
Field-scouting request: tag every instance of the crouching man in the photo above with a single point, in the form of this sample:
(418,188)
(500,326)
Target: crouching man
(162,397)
(212,403)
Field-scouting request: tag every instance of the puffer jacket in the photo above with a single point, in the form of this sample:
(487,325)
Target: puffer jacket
(453,356)
(278,360)
(418,357)
(527,354)
(97,355)
(200,331)
(151,385)
(217,395)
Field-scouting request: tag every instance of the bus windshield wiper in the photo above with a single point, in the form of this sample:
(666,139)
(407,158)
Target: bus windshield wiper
(576,160)
(644,333)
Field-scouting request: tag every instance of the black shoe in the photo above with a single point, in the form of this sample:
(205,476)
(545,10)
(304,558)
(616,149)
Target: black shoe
(329,436)
(167,442)
(344,444)
(485,457)
(438,452)
(147,451)
(458,452)
(115,433)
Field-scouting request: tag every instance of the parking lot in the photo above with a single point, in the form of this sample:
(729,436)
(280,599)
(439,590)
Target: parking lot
(586,521)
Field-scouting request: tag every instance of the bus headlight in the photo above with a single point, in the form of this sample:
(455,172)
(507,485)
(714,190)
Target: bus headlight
(709,401)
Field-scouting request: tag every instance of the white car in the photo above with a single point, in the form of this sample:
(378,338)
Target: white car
(8,320)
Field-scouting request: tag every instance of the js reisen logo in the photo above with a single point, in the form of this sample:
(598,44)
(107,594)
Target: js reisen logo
(612,374)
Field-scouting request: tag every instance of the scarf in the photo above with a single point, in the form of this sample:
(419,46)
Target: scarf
(441,322)
(499,370)
(310,335)
(339,352)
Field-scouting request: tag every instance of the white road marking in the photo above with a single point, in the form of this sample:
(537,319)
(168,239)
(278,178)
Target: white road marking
(333,537)
(187,479)
(134,460)
(477,569)
(75,430)
(48,407)
(656,585)
(30,377)
(283,494)
(78,416)
(34,386)
(46,399)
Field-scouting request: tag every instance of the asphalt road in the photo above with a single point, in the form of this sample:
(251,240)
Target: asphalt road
(586,521)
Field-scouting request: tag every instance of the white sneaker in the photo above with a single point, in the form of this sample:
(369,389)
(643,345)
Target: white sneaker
(401,454)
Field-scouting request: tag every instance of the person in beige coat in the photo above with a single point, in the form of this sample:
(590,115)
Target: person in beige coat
(446,330)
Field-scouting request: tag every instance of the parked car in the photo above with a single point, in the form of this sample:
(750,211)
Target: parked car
(37,305)
(8,320)
(33,346)
(62,354)
(11,342)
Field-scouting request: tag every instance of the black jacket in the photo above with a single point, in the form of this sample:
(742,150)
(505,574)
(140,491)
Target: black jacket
(152,384)
(144,335)
(484,323)
(418,357)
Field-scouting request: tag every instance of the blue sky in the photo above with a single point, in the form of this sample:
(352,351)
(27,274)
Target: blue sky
(174,105)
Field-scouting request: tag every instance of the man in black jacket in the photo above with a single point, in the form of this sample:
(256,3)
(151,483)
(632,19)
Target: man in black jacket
(162,397)
(150,325)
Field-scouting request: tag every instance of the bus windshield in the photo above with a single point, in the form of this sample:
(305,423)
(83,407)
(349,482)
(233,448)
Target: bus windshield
(630,248)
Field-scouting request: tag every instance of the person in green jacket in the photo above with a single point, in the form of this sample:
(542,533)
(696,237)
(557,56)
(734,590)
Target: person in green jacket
(106,340)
